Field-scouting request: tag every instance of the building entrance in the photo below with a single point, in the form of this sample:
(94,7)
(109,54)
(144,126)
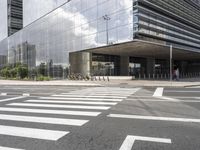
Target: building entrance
(105,65)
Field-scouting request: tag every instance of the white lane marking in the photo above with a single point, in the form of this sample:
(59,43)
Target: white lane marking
(25,94)
(47,111)
(91,96)
(86,99)
(71,102)
(181,97)
(193,87)
(130,139)
(158,92)
(59,106)
(11,99)
(9,148)
(43,134)
(127,144)
(154,118)
(108,92)
(97,94)
(59,121)
(3,94)
(170,91)
(167,100)
(158,99)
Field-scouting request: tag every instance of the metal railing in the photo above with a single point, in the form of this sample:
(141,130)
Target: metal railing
(166,76)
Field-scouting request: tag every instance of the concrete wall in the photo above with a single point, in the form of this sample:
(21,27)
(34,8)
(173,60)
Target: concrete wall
(80,62)
(124,65)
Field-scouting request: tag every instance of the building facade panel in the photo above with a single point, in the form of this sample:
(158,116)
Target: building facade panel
(75,26)
(168,21)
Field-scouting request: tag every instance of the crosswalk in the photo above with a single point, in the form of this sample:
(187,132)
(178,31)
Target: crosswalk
(75,109)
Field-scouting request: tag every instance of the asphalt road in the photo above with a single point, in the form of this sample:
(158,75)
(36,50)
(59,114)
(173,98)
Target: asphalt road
(99,118)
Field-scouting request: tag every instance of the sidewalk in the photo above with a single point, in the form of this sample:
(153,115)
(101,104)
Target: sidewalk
(114,82)
(153,83)
(50,83)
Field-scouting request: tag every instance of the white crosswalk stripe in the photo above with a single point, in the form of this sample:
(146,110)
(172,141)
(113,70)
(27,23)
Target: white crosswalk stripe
(158,92)
(78,98)
(60,106)
(72,102)
(9,148)
(52,111)
(43,134)
(60,121)
(68,105)
(3,94)
(90,96)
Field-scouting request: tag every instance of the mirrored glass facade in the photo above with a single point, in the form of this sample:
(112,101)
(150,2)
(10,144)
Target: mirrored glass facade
(34,9)
(75,26)
(71,26)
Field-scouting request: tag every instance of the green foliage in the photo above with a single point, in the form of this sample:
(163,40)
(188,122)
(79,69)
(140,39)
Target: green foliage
(20,71)
(42,69)
(13,72)
(5,72)
(43,78)
(16,71)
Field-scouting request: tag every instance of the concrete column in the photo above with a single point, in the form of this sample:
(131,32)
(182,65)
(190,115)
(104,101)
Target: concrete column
(124,65)
(80,62)
(150,66)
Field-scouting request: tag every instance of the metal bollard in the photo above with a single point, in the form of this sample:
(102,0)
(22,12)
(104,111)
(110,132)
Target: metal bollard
(108,78)
(99,78)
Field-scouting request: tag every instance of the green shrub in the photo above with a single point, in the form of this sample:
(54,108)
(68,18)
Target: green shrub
(22,71)
(43,78)
(47,78)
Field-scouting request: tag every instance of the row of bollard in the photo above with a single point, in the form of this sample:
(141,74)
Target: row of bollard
(100,78)
(167,76)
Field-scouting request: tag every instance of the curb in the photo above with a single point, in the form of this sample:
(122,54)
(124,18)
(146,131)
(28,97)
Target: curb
(192,85)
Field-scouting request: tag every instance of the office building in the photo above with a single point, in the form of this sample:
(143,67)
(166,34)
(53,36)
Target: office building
(11,17)
(111,37)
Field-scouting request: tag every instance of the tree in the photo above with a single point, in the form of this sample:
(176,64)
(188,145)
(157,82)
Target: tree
(22,71)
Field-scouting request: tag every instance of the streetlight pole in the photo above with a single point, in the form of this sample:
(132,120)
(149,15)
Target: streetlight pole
(171,57)
(107,18)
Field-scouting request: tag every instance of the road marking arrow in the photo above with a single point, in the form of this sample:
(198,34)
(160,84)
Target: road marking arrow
(130,139)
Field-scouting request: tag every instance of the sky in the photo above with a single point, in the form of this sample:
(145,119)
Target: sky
(34,9)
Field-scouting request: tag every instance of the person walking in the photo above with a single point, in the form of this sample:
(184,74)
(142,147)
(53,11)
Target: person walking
(177,74)
(174,75)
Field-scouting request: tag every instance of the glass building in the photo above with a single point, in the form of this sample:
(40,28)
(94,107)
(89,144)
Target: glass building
(106,37)
(3,18)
